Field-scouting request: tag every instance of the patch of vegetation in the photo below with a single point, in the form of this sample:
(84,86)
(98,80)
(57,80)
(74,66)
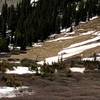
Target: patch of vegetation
(91,65)
(35,67)
(31,64)
(47,70)
(27,62)
(60,65)
(15,52)
(4,65)
(11,81)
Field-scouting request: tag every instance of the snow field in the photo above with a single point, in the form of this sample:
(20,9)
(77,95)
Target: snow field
(74,49)
(10,92)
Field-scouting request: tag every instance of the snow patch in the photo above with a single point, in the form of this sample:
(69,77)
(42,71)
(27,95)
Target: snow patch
(37,45)
(53,35)
(85,42)
(91,59)
(87,33)
(78,49)
(88,59)
(82,22)
(97,33)
(33,1)
(95,17)
(65,30)
(66,36)
(70,33)
(77,69)
(61,38)
(11,47)
(15,62)
(68,53)
(10,92)
(20,70)
(73,49)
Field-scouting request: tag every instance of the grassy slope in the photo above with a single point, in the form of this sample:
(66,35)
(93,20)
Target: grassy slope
(50,49)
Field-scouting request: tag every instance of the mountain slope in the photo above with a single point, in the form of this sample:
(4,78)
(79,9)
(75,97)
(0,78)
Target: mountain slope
(82,33)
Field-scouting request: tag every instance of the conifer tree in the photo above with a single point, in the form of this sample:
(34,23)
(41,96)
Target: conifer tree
(0,24)
(4,18)
(11,19)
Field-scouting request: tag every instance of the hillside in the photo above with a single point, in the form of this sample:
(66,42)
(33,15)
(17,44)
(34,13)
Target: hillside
(51,48)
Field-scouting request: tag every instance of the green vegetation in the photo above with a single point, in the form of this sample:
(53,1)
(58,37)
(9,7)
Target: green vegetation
(27,62)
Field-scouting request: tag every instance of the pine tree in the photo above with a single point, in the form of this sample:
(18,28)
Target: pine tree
(4,19)
(82,11)
(0,24)
(98,8)
(11,19)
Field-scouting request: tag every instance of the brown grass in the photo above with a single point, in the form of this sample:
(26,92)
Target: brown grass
(90,52)
(91,25)
(50,49)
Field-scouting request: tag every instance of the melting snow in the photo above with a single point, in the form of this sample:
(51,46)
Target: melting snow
(65,37)
(20,70)
(65,30)
(77,69)
(95,17)
(37,45)
(87,33)
(79,49)
(61,38)
(74,49)
(91,59)
(69,52)
(70,33)
(33,1)
(97,33)
(10,92)
(85,42)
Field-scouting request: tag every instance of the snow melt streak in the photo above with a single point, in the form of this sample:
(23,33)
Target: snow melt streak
(74,49)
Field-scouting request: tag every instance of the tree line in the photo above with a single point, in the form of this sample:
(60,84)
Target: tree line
(29,23)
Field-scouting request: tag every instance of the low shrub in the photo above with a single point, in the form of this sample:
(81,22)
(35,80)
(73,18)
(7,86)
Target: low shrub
(59,65)
(27,62)
(11,81)
(91,65)
(69,74)
(34,67)
(47,70)
(4,65)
